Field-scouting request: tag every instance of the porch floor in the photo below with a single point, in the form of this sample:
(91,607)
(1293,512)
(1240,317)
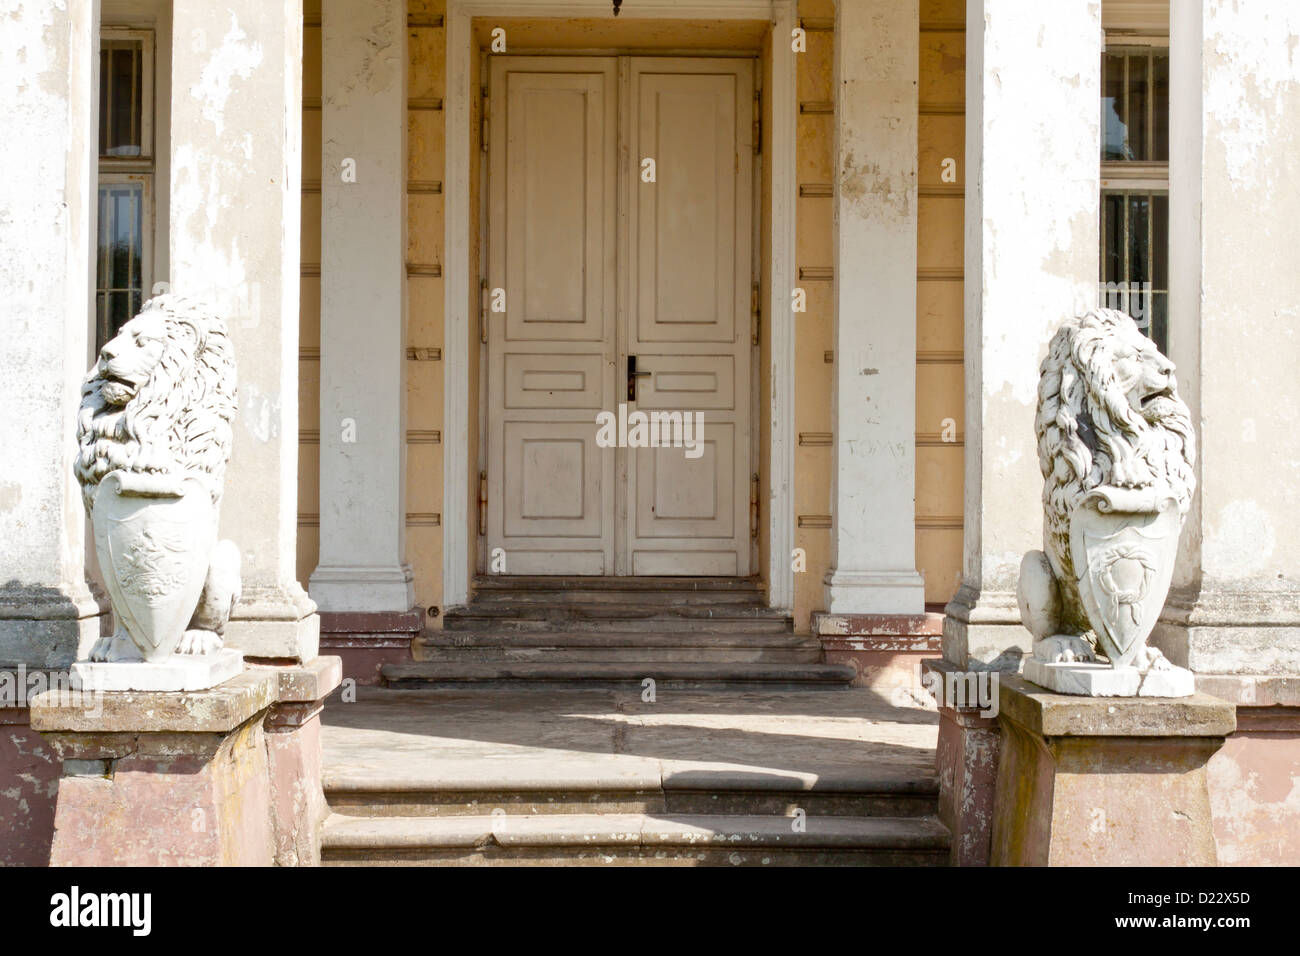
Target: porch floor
(444,775)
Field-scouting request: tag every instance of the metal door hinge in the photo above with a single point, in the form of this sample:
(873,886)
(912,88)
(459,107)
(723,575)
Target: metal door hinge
(758,120)
(756,312)
(483,120)
(753,505)
(482,502)
(483,310)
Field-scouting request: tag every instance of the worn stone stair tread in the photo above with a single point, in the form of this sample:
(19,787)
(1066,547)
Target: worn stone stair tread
(648,638)
(549,610)
(630,625)
(618,671)
(631,776)
(343,832)
(549,582)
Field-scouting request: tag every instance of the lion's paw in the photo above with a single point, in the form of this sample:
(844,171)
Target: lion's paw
(114,647)
(1064,649)
(1155,660)
(196,641)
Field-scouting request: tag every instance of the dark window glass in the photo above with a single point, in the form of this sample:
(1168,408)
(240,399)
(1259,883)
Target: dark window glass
(1160,104)
(1135,253)
(121,98)
(119,291)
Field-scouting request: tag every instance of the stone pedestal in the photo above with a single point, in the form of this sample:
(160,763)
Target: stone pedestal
(366,642)
(966,760)
(1105,781)
(225,776)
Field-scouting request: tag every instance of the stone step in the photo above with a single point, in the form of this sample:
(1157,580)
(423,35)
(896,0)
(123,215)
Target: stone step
(604,598)
(560,611)
(633,838)
(613,675)
(633,625)
(545,583)
(612,654)
(595,646)
(424,794)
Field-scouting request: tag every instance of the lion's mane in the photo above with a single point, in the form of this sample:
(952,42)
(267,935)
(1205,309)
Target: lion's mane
(179,422)
(1089,436)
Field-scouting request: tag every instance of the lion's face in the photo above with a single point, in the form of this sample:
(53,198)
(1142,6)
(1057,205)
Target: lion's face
(127,362)
(1144,375)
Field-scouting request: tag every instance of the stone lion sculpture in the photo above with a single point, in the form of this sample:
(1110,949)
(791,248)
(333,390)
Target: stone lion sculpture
(155,434)
(1116,449)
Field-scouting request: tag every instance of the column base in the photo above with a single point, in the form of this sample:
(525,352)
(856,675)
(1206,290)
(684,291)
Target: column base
(982,631)
(874,592)
(366,642)
(347,588)
(1105,781)
(886,650)
(275,624)
(47,627)
(1214,631)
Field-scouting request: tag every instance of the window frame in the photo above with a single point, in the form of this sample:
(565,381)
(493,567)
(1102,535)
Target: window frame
(1126,177)
(114,170)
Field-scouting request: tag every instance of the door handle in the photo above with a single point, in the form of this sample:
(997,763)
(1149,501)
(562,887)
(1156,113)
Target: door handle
(632,376)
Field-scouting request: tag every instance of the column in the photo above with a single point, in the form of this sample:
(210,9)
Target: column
(1033,165)
(363,311)
(873,491)
(1033,145)
(1234,308)
(236,155)
(48,109)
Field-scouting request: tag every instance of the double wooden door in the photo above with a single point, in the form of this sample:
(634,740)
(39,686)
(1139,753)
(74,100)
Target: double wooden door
(620,217)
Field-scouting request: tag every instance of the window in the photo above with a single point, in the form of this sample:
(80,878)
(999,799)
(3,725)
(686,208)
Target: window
(1135,185)
(124,244)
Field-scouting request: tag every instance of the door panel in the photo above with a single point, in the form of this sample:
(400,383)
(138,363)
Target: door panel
(597,265)
(551,358)
(689,237)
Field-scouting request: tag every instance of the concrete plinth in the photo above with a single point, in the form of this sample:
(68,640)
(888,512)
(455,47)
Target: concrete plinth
(1105,781)
(1094,679)
(368,641)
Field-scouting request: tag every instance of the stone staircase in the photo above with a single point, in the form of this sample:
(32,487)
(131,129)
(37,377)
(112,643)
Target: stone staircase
(683,633)
(712,819)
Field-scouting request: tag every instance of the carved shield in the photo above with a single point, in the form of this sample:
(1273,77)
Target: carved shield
(153,541)
(1125,562)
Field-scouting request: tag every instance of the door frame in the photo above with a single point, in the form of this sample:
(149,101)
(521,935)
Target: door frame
(461,292)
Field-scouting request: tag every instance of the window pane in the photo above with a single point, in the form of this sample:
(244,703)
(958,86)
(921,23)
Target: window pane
(1160,242)
(1139,98)
(1114,132)
(1161,107)
(121,78)
(1112,252)
(120,255)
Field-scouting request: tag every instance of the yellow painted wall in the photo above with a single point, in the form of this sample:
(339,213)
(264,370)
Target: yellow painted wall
(939,301)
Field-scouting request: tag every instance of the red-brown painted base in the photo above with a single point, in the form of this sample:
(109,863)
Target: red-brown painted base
(366,641)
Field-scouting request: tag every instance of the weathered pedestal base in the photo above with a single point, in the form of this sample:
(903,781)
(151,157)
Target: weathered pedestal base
(218,777)
(1105,781)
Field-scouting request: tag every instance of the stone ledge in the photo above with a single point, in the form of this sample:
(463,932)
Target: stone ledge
(217,710)
(1252,690)
(303,683)
(926,625)
(1062,715)
(357,623)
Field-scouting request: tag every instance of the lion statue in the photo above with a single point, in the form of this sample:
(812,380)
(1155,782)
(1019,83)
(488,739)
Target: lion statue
(159,403)
(1115,442)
